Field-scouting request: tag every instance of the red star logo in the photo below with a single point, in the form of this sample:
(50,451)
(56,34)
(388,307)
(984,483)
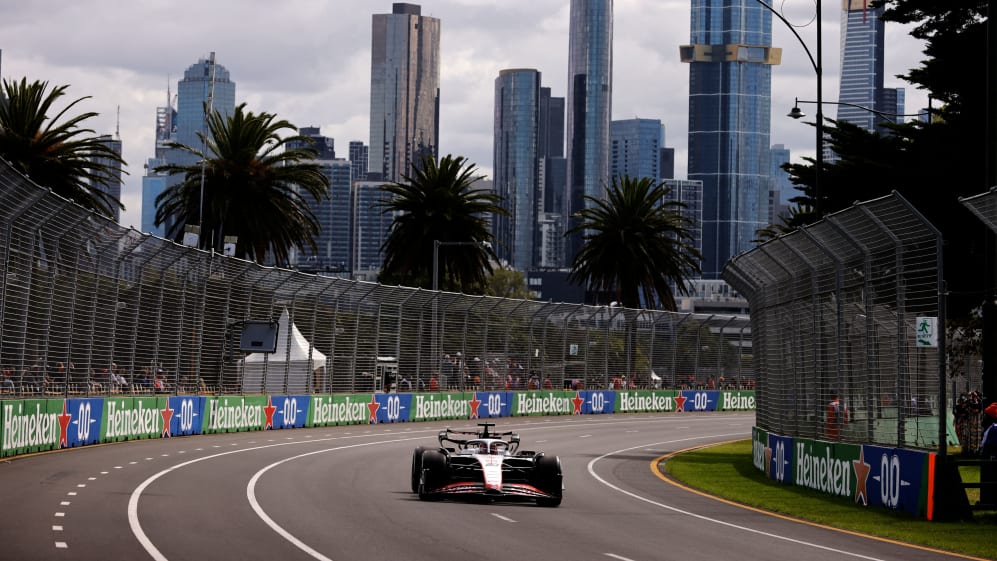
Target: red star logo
(373,406)
(474,403)
(680,402)
(64,425)
(577,401)
(269,409)
(167,414)
(862,470)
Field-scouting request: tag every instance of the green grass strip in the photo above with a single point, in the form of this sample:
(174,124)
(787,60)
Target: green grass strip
(727,472)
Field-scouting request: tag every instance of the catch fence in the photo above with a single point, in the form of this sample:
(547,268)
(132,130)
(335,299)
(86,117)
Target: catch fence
(850,306)
(90,308)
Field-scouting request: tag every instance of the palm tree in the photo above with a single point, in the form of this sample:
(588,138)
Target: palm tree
(636,244)
(256,186)
(438,203)
(58,155)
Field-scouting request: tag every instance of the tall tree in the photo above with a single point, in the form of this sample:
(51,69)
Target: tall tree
(637,244)
(257,185)
(439,203)
(56,153)
(932,164)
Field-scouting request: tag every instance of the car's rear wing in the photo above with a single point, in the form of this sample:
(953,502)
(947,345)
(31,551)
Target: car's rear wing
(445,436)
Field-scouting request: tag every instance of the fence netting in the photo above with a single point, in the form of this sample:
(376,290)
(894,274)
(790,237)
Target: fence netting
(88,307)
(843,309)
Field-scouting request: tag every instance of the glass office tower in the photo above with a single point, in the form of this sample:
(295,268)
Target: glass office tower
(862,65)
(200,81)
(517,123)
(730,80)
(635,148)
(589,106)
(404,90)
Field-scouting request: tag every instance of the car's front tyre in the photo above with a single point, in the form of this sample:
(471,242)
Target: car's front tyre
(548,478)
(417,467)
(433,474)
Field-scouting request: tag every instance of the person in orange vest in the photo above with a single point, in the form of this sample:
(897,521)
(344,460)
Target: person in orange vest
(837,416)
(434,384)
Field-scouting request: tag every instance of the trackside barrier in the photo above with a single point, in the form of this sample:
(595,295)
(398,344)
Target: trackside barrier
(868,475)
(36,425)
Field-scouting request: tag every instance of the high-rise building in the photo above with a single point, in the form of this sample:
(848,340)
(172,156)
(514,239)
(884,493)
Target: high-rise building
(324,146)
(780,186)
(553,181)
(333,213)
(334,218)
(690,194)
(204,84)
(635,148)
(862,65)
(358,160)
(516,180)
(370,229)
(404,90)
(730,80)
(154,182)
(589,106)
(112,183)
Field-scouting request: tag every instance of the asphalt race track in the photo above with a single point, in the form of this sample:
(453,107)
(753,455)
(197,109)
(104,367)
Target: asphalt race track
(343,493)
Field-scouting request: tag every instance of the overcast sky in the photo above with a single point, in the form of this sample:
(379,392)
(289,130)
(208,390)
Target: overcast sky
(308,61)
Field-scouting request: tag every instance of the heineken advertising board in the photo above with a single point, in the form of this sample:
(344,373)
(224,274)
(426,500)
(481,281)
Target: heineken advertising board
(891,478)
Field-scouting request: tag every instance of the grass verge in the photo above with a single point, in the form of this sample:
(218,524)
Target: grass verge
(726,471)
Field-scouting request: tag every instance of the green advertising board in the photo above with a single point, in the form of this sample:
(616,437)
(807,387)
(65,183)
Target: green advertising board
(234,414)
(130,418)
(349,409)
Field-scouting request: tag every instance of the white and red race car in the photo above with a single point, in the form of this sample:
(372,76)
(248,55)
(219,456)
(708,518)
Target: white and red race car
(486,465)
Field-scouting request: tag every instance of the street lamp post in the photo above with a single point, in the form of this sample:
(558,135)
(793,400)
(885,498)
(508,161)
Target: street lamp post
(436,258)
(436,287)
(796,113)
(816,63)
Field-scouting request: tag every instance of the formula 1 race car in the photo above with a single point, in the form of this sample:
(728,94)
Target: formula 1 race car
(486,465)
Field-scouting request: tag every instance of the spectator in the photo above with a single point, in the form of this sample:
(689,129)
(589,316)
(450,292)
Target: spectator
(159,384)
(837,417)
(960,414)
(7,382)
(548,385)
(434,384)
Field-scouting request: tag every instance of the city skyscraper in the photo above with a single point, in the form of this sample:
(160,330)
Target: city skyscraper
(333,213)
(516,180)
(862,65)
(635,148)
(780,187)
(404,90)
(370,229)
(153,182)
(589,106)
(358,160)
(730,81)
(204,83)
(324,146)
(113,182)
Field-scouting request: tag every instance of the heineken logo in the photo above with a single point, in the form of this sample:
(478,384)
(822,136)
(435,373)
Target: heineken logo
(736,401)
(224,416)
(823,472)
(543,404)
(348,411)
(635,403)
(29,428)
(429,407)
(124,421)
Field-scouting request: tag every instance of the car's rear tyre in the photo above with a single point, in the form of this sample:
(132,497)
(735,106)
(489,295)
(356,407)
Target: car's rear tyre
(433,474)
(417,467)
(548,478)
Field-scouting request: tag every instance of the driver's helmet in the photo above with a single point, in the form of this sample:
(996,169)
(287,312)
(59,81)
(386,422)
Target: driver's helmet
(499,447)
(481,447)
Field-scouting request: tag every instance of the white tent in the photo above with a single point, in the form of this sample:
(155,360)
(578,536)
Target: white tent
(265,372)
